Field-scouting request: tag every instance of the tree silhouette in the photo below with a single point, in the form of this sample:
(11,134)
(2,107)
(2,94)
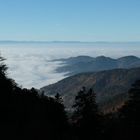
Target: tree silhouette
(130,113)
(86,114)
(58,98)
(3,67)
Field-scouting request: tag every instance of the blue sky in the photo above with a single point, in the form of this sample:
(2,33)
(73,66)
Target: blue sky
(70,20)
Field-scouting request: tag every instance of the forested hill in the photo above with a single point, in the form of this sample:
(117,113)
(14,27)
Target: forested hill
(107,85)
(75,65)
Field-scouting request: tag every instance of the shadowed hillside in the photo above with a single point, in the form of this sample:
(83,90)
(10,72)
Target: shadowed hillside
(27,115)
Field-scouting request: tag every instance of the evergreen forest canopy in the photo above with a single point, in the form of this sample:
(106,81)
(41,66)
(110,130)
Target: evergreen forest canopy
(27,114)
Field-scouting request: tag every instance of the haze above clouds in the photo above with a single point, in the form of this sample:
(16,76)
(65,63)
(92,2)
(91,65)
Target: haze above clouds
(30,65)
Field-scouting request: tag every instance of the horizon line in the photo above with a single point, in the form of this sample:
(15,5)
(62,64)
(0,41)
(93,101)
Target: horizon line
(61,41)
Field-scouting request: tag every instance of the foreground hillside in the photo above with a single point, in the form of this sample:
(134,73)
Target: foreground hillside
(108,85)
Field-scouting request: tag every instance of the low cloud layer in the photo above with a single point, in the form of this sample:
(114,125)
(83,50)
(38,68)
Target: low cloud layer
(30,65)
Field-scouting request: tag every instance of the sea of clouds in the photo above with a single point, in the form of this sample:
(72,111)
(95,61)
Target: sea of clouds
(30,65)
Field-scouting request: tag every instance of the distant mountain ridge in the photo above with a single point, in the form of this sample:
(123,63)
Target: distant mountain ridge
(14,41)
(110,85)
(61,41)
(80,64)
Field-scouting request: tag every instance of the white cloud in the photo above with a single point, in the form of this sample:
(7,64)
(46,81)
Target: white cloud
(30,66)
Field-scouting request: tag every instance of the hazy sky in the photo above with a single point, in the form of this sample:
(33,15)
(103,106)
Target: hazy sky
(83,20)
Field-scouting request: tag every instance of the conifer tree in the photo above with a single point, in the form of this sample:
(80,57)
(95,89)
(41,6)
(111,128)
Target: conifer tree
(130,113)
(86,114)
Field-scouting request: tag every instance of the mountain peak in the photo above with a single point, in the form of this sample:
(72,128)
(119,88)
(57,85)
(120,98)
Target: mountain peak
(103,57)
(132,57)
